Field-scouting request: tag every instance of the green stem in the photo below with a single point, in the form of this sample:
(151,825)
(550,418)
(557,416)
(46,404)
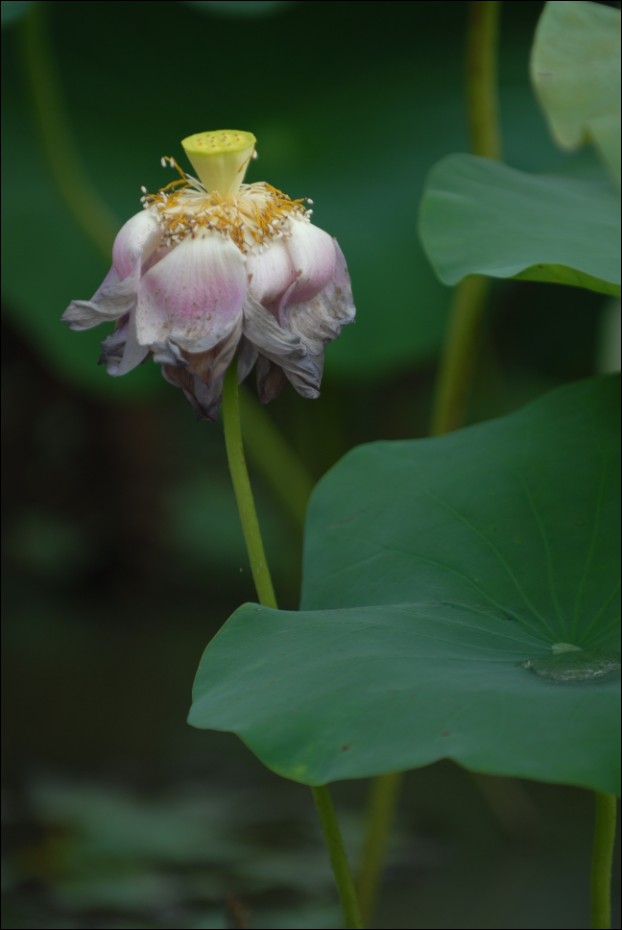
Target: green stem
(68,171)
(481,84)
(265,592)
(459,358)
(338,859)
(243,492)
(602,860)
(384,795)
(275,459)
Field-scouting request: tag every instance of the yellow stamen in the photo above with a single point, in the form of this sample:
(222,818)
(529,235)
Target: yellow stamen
(256,213)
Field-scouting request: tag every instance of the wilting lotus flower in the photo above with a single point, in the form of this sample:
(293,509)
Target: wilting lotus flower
(214,266)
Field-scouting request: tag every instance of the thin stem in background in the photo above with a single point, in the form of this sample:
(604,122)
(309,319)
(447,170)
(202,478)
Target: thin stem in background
(602,860)
(338,859)
(265,593)
(459,357)
(87,208)
(383,800)
(481,79)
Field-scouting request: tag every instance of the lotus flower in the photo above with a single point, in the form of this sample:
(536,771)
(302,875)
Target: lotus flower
(212,267)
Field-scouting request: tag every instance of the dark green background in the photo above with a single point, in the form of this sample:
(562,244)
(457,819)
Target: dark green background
(122,548)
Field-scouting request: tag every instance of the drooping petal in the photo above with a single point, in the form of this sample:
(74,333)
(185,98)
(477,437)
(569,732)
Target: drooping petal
(121,351)
(135,243)
(313,255)
(271,379)
(201,376)
(112,300)
(320,320)
(283,347)
(116,295)
(193,296)
(247,356)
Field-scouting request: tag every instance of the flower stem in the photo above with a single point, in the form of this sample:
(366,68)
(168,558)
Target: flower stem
(459,358)
(602,860)
(339,862)
(270,454)
(232,425)
(383,800)
(82,201)
(265,592)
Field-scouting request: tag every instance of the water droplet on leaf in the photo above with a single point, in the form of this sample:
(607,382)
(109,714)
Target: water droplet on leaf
(567,662)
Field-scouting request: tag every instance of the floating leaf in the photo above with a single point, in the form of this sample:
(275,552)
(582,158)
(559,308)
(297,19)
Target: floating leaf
(481,217)
(437,573)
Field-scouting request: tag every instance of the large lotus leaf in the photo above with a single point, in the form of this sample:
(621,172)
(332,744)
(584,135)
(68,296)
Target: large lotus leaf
(481,217)
(575,69)
(459,601)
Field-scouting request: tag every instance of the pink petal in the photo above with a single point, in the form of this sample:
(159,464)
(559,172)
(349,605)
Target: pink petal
(270,273)
(194,295)
(135,242)
(320,320)
(116,295)
(313,256)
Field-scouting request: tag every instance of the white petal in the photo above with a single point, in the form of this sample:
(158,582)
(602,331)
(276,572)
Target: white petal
(194,295)
(270,272)
(313,255)
(116,295)
(247,356)
(113,299)
(121,351)
(135,242)
(320,320)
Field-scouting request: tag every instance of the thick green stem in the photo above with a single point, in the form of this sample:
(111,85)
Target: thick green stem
(265,593)
(383,801)
(602,860)
(243,491)
(338,859)
(481,74)
(459,358)
(65,164)
(460,353)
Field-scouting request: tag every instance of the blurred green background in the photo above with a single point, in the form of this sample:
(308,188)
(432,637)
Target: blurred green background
(122,551)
